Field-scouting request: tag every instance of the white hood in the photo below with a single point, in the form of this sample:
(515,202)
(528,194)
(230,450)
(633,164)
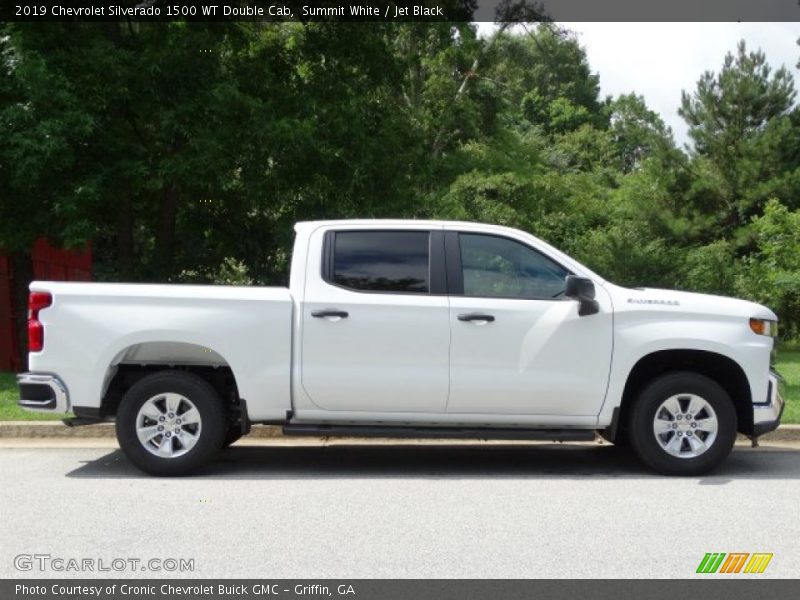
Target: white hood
(683,302)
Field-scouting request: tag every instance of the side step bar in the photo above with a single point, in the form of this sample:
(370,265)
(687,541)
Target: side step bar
(457,433)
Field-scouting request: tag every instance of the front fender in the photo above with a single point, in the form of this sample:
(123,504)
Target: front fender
(638,336)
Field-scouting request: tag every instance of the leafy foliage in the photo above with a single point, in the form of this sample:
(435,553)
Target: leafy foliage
(772,273)
(186,151)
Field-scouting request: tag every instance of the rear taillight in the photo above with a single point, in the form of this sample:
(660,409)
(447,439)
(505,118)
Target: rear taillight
(36,302)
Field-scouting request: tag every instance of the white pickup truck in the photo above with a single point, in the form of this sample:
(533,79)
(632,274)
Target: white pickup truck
(407,329)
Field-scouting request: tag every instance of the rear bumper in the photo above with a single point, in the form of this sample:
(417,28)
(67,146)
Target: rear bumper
(767,414)
(42,392)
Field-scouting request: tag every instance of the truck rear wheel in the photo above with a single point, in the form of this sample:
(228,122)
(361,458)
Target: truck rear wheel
(170,423)
(683,423)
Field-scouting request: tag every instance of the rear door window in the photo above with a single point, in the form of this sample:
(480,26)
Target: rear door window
(382,261)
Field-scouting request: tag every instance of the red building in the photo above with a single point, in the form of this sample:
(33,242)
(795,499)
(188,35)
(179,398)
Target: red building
(49,263)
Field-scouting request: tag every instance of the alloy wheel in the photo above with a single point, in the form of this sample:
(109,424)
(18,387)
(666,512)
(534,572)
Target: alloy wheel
(685,425)
(168,425)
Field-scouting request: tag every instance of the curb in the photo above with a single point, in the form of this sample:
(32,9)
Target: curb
(56,429)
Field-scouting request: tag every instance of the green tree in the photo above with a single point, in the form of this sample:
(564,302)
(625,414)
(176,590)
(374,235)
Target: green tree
(186,151)
(543,77)
(771,275)
(639,133)
(43,127)
(745,139)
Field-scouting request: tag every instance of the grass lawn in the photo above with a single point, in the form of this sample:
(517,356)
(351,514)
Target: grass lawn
(788,365)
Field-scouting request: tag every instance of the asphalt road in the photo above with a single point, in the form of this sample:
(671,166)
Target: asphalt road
(424,511)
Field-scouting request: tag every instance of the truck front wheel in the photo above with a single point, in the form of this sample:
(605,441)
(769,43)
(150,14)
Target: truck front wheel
(170,423)
(683,423)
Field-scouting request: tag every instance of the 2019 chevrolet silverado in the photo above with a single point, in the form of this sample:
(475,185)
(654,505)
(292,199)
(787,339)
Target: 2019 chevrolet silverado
(407,328)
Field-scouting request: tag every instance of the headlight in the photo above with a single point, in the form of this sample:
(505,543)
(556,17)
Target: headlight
(764,327)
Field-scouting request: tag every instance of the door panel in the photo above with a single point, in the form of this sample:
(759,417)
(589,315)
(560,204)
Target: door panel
(390,352)
(537,357)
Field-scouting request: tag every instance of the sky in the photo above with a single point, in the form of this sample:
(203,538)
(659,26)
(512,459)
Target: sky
(658,60)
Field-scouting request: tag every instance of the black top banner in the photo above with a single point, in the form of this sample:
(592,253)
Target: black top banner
(381,11)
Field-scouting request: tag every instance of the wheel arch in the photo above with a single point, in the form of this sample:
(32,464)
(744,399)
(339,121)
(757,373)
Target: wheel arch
(137,360)
(720,368)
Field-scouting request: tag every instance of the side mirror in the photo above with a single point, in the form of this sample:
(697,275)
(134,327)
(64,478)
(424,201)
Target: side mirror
(582,290)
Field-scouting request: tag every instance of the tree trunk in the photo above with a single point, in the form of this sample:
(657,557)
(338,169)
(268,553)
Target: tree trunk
(125,237)
(165,233)
(22,272)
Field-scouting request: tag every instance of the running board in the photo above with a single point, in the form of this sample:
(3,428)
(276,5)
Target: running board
(458,433)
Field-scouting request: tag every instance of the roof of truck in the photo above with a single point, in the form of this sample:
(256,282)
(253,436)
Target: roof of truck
(397,222)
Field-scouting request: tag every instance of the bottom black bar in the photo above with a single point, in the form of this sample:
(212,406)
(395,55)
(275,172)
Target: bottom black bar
(707,587)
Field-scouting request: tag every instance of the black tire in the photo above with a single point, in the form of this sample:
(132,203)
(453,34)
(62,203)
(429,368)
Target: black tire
(641,424)
(210,434)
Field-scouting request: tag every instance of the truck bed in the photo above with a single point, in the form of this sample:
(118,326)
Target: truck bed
(92,328)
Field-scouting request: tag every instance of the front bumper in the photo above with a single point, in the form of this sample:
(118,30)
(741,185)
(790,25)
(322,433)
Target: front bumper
(767,414)
(41,392)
